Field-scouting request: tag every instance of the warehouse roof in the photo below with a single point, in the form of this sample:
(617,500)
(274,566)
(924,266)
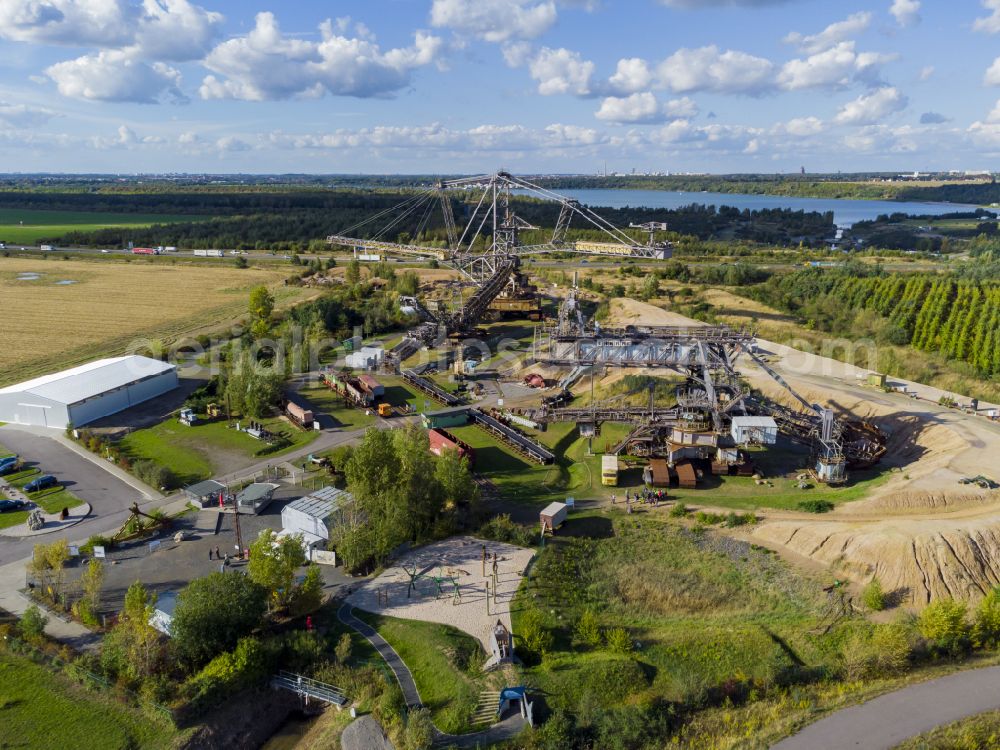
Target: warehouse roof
(92,379)
(754,422)
(322,503)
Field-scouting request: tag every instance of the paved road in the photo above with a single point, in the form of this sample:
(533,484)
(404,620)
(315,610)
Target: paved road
(886,721)
(108,495)
(504,730)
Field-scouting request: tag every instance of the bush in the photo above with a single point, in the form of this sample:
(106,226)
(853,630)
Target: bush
(501,529)
(343,650)
(816,506)
(153,474)
(587,631)
(873,596)
(33,624)
(943,623)
(419,732)
(882,652)
(534,635)
(96,541)
(307,596)
(708,519)
(679,511)
(740,519)
(619,641)
(986,621)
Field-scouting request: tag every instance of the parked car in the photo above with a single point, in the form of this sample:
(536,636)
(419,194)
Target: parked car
(6,505)
(41,483)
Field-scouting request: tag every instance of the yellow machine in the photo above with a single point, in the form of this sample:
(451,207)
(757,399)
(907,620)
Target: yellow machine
(385,410)
(609,471)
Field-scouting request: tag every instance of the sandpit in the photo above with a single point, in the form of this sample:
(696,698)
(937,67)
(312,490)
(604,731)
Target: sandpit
(457,557)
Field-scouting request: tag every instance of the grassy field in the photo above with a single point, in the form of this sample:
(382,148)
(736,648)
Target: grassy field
(444,662)
(973,733)
(40,709)
(110,305)
(210,448)
(327,402)
(27,227)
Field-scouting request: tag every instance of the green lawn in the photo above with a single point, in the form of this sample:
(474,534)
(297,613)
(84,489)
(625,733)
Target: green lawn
(51,500)
(325,401)
(40,709)
(23,226)
(444,664)
(974,732)
(188,451)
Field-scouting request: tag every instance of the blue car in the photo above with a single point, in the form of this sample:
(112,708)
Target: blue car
(41,483)
(7,462)
(6,505)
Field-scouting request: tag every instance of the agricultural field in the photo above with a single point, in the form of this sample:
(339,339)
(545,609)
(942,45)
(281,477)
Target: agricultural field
(209,448)
(59,313)
(20,226)
(42,709)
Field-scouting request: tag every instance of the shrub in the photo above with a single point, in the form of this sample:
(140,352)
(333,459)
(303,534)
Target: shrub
(708,519)
(154,474)
(619,641)
(740,519)
(343,650)
(873,596)
(678,511)
(419,733)
(502,529)
(535,636)
(986,621)
(308,596)
(943,623)
(587,631)
(816,506)
(96,541)
(33,624)
(882,652)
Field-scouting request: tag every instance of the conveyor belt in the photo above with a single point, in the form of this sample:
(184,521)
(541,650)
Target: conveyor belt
(512,438)
(428,388)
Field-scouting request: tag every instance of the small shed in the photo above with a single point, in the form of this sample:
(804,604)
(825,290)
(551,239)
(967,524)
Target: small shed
(553,516)
(205,493)
(756,430)
(163,612)
(366,358)
(314,515)
(255,497)
(455,417)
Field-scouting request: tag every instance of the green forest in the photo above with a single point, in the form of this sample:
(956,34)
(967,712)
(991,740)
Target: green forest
(956,316)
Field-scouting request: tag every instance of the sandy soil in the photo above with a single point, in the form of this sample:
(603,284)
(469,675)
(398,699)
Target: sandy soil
(922,533)
(458,557)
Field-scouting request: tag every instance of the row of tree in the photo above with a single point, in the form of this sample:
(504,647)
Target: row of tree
(957,318)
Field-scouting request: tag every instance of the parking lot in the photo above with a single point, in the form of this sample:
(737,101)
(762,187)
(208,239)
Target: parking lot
(108,496)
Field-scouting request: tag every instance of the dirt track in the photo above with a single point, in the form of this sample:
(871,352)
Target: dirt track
(922,533)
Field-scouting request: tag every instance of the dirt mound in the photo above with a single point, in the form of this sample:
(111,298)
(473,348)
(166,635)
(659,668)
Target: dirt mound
(916,560)
(630,312)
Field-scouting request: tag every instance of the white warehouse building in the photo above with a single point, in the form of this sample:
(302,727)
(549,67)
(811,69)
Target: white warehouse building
(86,393)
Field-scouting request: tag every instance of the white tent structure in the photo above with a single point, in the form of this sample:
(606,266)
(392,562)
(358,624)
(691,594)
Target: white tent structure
(86,393)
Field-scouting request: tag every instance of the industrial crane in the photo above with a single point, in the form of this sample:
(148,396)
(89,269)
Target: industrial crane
(494,269)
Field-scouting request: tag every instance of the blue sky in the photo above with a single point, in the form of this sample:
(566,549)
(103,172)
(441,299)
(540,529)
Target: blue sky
(474,85)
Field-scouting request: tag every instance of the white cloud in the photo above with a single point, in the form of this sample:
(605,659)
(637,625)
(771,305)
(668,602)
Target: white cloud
(992,76)
(23,116)
(868,109)
(906,12)
(926,72)
(989,24)
(495,20)
(561,71)
(802,126)
(994,115)
(835,67)
(644,108)
(833,34)
(708,69)
(266,65)
(116,76)
(516,54)
(631,76)
(173,30)
(933,118)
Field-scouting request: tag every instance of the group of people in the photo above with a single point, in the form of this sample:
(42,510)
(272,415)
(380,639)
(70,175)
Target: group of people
(645,496)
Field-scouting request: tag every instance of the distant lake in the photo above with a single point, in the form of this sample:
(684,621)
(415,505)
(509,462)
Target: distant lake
(845,212)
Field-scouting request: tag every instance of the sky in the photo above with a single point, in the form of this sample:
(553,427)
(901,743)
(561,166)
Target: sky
(472,86)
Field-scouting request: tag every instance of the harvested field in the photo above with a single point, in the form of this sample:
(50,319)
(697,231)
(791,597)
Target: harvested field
(50,325)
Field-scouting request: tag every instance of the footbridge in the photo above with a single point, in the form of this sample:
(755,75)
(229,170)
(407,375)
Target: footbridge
(306,687)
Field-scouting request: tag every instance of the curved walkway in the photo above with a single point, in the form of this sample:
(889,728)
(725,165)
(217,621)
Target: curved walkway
(886,721)
(504,730)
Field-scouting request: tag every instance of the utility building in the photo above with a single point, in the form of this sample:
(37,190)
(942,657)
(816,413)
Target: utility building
(86,393)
